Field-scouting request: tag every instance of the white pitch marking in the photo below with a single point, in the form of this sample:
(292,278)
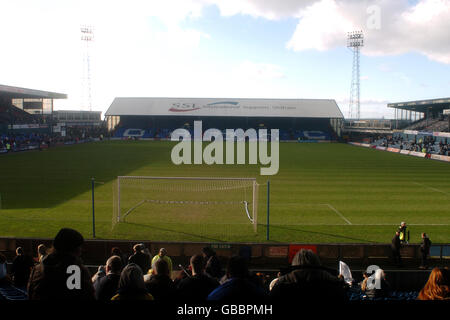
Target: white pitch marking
(431,188)
(337,212)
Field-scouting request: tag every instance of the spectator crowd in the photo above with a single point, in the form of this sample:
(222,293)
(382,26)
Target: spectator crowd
(59,273)
(26,141)
(426,144)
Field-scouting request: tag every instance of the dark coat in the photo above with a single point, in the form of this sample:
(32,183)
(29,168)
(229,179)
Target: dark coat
(143,260)
(196,288)
(425,246)
(48,279)
(396,243)
(106,287)
(309,283)
(161,287)
(238,290)
(213,267)
(21,268)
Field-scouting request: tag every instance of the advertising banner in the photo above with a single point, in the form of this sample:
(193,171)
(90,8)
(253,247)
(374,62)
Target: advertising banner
(442,134)
(440,157)
(417,154)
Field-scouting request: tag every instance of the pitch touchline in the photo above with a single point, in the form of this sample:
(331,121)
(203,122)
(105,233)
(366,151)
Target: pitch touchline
(431,188)
(337,212)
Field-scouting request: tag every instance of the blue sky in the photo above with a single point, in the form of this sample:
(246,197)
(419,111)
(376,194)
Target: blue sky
(213,48)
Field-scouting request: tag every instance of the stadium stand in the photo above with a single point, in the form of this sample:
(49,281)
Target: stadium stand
(426,144)
(156,118)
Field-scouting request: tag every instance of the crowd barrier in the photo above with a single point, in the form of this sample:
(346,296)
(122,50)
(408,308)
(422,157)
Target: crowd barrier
(262,255)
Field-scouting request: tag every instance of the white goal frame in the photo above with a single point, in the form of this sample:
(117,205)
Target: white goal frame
(253,217)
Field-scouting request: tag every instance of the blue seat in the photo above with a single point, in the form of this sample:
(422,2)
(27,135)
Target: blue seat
(12,293)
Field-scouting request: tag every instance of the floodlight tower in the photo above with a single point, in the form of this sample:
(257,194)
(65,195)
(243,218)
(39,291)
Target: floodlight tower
(87,36)
(355,41)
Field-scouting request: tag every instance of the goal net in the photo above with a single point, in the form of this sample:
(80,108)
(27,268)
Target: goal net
(198,207)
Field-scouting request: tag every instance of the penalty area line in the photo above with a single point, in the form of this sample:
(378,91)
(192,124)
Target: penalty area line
(337,212)
(431,188)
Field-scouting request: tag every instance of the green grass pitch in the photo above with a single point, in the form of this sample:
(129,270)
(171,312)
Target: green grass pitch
(323,193)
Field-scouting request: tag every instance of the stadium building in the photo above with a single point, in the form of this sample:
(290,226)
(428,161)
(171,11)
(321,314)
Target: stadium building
(156,118)
(25,110)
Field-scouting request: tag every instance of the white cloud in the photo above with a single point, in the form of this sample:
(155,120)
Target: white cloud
(268,9)
(323,24)
(321,27)
(403,28)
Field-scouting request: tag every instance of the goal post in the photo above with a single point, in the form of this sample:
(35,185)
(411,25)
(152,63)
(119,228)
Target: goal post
(206,205)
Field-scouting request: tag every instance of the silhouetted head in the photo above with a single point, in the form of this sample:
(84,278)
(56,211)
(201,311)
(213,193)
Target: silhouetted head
(68,241)
(197,264)
(114,265)
(237,267)
(305,258)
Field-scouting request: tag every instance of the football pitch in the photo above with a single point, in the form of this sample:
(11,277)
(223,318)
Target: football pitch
(323,193)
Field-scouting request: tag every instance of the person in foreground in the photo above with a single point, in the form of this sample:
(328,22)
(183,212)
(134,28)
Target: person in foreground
(197,287)
(140,257)
(49,279)
(239,285)
(437,286)
(131,284)
(160,285)
(308,281)
(106,285)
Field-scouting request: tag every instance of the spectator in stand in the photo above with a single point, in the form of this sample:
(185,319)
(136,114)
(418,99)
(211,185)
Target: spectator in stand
(239,285)
(131,284)
(213,267)
(42,252)
(395,246)
(376,286)
(425,250)
(106,286)
(159,284)
(309,281)
(437,286)
(196,288)
(4,279)
(115,251)
(49,279)
(162,254)
(21,268)
(140,258)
